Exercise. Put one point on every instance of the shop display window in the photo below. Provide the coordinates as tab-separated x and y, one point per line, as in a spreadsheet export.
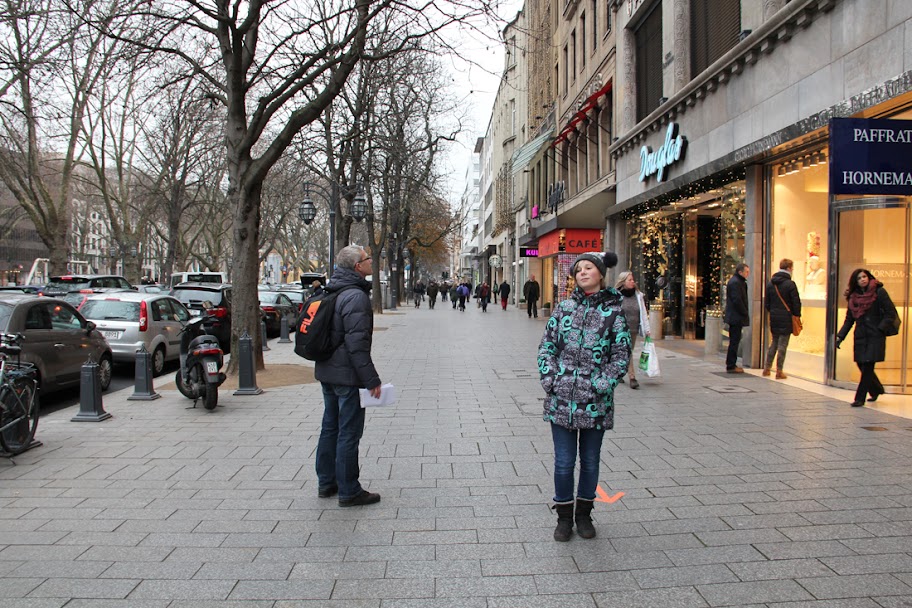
798	231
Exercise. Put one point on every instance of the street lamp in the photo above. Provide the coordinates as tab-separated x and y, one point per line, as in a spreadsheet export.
307	211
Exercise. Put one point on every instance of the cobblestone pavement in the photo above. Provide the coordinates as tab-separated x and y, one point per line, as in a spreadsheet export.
737	491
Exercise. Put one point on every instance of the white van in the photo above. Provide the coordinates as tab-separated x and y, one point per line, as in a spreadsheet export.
198	277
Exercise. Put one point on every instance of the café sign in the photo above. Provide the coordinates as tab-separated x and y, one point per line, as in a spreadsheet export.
671	151
870	156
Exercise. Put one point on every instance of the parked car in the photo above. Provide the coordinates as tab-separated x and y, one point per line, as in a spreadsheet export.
129	320
58	340
78	298
70	283
213	299
297	295
152	288
197	277
22	288
277	305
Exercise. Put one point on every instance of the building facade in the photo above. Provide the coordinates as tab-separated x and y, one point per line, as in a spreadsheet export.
725	151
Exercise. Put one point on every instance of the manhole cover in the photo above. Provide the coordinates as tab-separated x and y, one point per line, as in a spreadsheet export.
874	428
729	389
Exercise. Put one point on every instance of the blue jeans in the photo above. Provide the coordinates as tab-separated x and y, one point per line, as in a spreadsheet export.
590	448
337	450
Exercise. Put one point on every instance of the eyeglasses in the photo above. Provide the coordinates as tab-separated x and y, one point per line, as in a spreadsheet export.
364	259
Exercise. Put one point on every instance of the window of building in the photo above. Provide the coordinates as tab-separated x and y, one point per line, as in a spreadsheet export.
649	62
573	64
714	29
583	40
595	37
566	81
608	18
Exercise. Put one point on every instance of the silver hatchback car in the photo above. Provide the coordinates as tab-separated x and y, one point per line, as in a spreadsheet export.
129	320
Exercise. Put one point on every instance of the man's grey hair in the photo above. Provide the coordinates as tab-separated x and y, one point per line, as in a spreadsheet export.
349	256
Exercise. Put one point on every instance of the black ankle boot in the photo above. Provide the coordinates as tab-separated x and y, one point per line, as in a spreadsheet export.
564	522
583	518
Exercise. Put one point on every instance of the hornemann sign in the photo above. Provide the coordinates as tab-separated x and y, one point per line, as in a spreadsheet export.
870	156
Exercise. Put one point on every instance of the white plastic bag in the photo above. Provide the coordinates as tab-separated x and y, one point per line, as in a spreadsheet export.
651	360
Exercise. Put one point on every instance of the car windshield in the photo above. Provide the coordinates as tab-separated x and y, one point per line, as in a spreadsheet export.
110	309
6	310
268	298
198	296
67	283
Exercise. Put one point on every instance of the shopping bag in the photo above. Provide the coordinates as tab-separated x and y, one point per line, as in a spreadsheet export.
644	360
652	361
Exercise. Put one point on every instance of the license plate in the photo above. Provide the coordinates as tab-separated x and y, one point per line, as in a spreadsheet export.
211	367
194	313
111	334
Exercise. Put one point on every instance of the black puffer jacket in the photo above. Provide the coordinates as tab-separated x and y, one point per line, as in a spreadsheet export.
736	310
780	318
353	327
870	339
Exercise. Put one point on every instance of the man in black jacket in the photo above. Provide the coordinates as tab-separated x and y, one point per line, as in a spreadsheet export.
737	315
783	303
342	375
531	292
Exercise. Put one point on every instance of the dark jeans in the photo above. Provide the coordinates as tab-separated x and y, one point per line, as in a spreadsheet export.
337	449
590	448
532	308
455	302
778	345
462	300
734	339
869	383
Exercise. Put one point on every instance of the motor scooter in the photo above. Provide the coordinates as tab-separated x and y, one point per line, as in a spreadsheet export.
201	361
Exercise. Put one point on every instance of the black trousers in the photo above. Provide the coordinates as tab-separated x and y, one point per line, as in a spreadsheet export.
532	308
734	340
869	383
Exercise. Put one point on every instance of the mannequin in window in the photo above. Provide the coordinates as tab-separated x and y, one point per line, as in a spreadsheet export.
815	275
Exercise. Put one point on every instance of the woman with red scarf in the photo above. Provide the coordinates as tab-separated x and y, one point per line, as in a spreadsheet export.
872	312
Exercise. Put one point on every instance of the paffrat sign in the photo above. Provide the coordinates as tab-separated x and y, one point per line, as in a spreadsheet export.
870	156
670	152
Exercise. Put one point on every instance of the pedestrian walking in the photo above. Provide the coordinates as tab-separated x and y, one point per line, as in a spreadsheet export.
444	291
585	349
432	291
504	291
349	369
737	315
418	291
454	294
531	292
874	316
484	295
782	303
462	293
636	311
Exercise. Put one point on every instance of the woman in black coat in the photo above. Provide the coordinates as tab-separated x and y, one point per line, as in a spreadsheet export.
872	313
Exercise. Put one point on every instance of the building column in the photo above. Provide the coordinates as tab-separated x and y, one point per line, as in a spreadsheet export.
628	80
754	256
681	44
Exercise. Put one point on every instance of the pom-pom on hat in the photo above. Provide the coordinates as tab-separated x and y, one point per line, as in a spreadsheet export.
602	261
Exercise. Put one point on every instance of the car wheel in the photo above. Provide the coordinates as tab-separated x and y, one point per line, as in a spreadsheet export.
105	371
158	361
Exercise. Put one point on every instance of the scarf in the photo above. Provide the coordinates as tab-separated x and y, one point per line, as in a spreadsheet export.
628	292
861	301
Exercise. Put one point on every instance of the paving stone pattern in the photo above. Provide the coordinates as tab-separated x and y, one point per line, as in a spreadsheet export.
738	491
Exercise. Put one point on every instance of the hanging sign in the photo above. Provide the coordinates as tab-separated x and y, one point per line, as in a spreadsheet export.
570	240
528	252
670	152
870	156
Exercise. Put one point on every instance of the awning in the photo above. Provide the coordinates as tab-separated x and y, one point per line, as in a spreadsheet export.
522	156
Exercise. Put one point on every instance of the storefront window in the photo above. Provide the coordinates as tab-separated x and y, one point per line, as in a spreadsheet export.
798	231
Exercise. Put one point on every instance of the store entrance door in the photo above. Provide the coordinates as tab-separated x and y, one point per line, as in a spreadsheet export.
874	234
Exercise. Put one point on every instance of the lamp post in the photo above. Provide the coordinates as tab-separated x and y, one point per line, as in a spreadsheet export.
308	211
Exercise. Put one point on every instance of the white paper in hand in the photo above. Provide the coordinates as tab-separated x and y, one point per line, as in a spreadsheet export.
387	396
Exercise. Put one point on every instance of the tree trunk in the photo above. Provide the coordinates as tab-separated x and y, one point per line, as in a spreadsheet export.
58	244
245	305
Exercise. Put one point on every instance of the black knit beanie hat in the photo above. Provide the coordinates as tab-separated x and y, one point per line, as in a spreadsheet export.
602	261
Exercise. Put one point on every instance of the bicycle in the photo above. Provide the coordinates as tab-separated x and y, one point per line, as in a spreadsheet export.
19	407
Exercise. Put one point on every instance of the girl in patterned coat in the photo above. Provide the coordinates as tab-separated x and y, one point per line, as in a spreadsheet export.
585	350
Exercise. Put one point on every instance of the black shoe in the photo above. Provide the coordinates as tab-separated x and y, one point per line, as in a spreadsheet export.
328	491
364	498
873	398
857	403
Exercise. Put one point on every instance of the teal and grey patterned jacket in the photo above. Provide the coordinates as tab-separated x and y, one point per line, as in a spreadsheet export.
585	349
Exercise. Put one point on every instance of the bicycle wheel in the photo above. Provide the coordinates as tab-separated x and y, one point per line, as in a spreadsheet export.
18	415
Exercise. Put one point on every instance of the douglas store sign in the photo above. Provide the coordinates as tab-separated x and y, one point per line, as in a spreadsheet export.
870	156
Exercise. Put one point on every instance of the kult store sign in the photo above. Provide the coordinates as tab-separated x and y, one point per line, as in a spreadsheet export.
670	152
870	156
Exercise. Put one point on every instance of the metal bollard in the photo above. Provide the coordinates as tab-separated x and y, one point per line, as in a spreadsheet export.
90	407
142	387
246	367
283	331
264	343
